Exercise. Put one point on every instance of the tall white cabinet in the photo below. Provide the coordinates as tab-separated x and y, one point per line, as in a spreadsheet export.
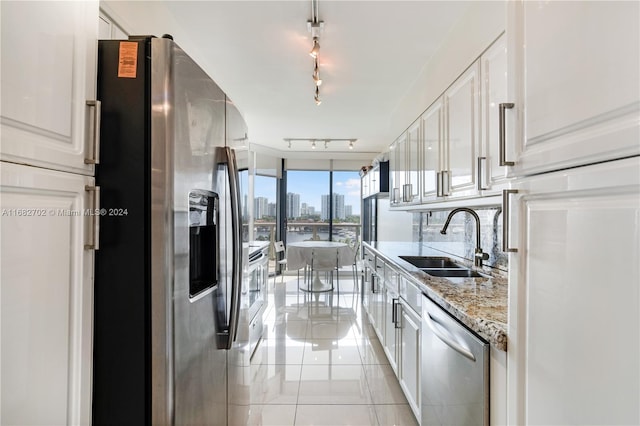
48	126
575	69
574	283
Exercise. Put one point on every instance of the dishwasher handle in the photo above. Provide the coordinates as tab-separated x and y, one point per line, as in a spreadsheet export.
431	323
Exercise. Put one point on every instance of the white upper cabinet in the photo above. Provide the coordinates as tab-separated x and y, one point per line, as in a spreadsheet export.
462	136
398	170
493	63
414	141
48	59
432	148
575	81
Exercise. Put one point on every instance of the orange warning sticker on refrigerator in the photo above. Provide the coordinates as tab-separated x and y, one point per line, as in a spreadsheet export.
128	59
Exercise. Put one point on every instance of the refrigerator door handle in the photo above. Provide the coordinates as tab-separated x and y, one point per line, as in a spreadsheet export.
236	226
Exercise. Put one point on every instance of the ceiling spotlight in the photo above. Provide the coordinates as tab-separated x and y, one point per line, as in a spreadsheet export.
316	74
313	144
315	49
350	144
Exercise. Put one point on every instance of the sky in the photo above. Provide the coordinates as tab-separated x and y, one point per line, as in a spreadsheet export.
311	185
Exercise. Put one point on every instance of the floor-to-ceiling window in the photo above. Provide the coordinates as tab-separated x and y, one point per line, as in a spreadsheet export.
346	206
264	207
322	205
306	212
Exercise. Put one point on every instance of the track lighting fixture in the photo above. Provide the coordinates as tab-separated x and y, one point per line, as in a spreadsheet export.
314	25
326	142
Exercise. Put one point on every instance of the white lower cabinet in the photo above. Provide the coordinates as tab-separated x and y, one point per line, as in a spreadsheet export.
397	325
47	296
391	346
409	348
574	296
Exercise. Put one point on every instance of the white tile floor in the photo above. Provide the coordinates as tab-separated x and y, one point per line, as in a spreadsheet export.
320	363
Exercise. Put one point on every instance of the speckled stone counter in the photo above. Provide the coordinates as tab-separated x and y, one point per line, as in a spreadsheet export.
479	303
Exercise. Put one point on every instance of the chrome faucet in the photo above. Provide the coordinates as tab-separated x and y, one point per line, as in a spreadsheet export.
479	255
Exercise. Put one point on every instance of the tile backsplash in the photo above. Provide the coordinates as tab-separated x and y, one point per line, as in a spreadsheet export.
460	239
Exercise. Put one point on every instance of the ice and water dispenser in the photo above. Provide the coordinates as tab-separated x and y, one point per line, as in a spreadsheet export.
203	241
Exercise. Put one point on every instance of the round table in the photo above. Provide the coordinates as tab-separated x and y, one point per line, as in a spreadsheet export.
300	254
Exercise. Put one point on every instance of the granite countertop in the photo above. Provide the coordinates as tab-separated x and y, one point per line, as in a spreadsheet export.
479	303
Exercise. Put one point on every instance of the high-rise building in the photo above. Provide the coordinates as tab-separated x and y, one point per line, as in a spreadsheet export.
348	211
260	207
271	210
293	205
338	207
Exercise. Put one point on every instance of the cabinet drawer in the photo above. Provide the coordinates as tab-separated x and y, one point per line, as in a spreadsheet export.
411	293
391	278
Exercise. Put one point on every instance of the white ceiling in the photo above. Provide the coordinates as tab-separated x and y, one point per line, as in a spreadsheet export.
257	51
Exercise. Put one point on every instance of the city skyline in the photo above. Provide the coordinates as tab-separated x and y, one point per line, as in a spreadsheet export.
263	207
311	186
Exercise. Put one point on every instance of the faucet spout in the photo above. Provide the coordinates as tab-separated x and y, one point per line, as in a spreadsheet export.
479	255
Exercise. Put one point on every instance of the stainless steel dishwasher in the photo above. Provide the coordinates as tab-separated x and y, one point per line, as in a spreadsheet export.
455	371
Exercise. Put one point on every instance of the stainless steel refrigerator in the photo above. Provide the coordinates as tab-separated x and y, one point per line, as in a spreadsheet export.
168	272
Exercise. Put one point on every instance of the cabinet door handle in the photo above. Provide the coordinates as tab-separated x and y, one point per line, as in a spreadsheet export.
446	183
95	221
97	113
407	190
480	174
395	304
502	126
431	323
506	211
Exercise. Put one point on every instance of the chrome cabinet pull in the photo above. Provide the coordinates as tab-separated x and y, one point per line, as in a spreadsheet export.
431	323
506	211
480	174
446	184
95	221
503	141
407	189
394	310
97	113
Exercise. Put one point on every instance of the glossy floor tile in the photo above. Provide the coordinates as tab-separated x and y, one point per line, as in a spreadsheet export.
320	363
332	415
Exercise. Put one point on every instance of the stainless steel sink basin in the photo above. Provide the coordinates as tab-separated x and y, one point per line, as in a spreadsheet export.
430	262
452	273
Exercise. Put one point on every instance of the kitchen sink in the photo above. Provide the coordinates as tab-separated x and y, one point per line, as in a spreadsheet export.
430	262
451	273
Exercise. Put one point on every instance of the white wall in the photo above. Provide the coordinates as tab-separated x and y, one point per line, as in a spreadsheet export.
476	30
